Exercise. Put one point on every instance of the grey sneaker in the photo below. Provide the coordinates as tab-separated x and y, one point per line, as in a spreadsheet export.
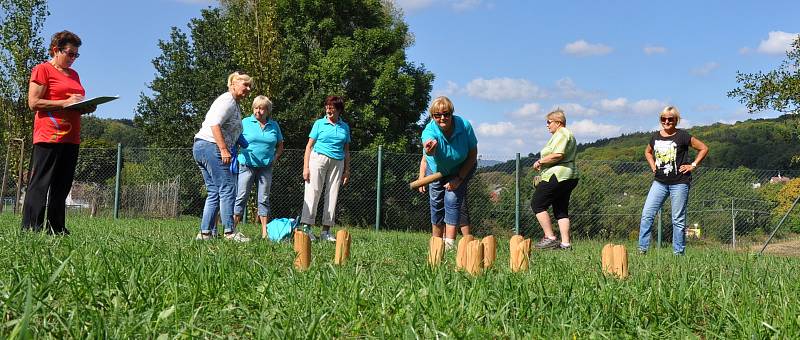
326	236
547	243
203	237
236	236
563	247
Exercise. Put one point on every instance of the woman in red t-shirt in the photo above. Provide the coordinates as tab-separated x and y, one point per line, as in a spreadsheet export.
56	134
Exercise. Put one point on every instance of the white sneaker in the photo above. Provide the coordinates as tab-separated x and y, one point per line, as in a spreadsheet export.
203	237
326	236
236	236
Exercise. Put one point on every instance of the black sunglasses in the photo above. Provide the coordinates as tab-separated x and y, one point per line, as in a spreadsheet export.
438	115
667	119
73	55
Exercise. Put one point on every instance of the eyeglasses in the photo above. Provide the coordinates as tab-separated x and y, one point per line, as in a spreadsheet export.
439	115
667	119
72	55
548	122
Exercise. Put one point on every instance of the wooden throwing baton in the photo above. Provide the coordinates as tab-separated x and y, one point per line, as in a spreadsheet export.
426	180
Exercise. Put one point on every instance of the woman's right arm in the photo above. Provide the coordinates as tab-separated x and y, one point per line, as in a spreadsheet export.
648	154
306	157
37	103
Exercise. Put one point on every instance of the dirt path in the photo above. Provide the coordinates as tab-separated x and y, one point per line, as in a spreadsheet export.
784	248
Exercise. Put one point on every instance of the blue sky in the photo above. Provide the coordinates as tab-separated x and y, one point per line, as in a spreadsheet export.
612	65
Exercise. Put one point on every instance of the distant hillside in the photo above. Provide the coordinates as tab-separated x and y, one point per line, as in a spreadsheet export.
754	143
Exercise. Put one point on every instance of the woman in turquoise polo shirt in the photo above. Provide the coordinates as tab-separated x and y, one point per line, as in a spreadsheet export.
326	160
451	148
559	176
265	146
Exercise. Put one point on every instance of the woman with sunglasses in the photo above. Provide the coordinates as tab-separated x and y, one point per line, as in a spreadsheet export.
559	176
668	156
451	148
53	86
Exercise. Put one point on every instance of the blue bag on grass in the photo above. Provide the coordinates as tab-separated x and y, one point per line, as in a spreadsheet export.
280	229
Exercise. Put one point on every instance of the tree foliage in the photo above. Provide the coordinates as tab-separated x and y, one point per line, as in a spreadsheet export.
299	52
778	89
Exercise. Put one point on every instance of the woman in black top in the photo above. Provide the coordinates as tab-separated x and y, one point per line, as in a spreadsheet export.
668	156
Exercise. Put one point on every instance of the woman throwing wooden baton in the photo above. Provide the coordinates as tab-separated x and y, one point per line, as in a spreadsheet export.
450	148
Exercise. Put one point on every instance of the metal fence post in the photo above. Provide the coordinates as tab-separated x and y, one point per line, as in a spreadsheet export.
516	199
117	180
659	226
733	225
19	173
379	188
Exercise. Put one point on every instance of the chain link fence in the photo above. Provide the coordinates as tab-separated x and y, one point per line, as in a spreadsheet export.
731	206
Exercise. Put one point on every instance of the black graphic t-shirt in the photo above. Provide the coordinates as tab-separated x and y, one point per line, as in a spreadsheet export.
670	153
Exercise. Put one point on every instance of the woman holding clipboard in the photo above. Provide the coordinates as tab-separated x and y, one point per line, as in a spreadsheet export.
54	85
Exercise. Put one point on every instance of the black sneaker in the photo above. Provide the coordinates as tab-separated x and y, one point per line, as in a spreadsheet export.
547	243
642	251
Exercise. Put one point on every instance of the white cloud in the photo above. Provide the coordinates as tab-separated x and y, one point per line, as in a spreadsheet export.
528	110
463	5
707	108
503	89
198	2
705	69
450	89
648	106
412	5
495	129
566	88
614	105
650	50
575	109
778	42
582	48
587	129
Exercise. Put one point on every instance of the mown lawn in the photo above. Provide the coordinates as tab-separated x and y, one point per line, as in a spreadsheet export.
149	278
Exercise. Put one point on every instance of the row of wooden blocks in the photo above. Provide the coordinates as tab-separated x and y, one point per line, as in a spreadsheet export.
472	255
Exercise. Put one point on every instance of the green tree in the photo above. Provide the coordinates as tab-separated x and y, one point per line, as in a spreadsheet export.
190	74
778	89
299	52
21	48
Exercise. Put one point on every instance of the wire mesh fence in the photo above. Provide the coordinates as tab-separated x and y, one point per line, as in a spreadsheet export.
731	206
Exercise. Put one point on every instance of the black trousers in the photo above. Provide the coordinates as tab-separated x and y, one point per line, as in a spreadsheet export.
51	180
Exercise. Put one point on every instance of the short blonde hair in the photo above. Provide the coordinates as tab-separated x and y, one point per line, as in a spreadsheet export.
442	104
238	76
674	111
262	102
557	115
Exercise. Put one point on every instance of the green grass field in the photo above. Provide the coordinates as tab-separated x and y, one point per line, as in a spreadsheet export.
149	278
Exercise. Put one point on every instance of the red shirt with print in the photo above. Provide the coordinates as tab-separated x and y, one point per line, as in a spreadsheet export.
61	126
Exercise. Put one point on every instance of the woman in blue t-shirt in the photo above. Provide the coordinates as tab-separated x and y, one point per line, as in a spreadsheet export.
668	156
451	148
264	147
326	160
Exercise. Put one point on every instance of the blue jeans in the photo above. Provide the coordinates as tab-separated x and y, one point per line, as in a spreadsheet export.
679	195
446	206
220	185
246	177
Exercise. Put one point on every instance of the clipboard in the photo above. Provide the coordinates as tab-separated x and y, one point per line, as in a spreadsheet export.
90	102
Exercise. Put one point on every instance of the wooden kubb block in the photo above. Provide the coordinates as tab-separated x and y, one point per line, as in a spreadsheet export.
614	260
462	250
302	246
342	247
474	257
489	251
436	251
519	250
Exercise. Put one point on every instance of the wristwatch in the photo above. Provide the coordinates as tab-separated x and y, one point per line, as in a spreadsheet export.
694	165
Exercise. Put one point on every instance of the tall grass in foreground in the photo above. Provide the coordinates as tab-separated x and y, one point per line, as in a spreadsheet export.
149	278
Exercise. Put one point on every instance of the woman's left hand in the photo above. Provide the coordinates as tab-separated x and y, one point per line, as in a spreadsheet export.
686	168
453	184
537	166
346	177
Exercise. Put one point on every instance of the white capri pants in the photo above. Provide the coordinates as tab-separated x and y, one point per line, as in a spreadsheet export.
323	170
